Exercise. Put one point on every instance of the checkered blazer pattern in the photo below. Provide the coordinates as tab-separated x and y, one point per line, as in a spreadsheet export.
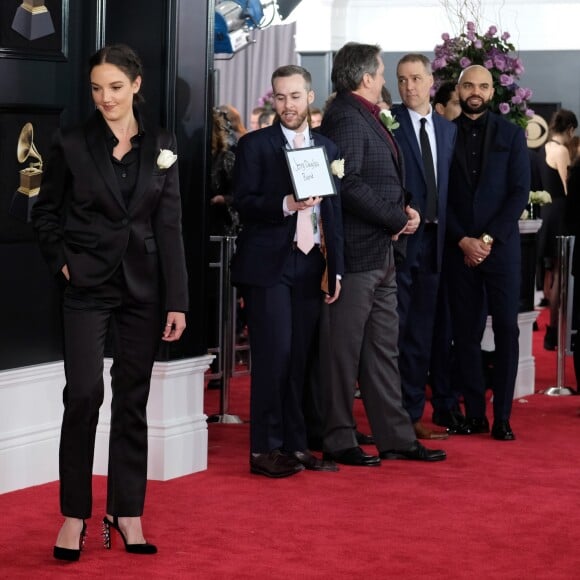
372	190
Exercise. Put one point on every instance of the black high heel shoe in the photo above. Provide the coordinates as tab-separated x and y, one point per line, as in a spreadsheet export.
70	554
145	548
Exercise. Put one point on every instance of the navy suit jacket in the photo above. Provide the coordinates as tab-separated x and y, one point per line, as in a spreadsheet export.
415	184
261	181
496	204
372	191
81	218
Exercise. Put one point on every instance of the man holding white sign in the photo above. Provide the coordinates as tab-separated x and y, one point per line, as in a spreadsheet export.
289	242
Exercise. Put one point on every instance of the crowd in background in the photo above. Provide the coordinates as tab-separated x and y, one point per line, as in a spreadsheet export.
428	292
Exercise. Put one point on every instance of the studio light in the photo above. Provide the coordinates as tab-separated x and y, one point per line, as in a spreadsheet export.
235	19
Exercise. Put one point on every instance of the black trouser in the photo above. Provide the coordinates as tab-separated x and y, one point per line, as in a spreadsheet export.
136	330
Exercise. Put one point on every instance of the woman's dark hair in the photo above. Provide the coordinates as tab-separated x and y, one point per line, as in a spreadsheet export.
124	58
562	120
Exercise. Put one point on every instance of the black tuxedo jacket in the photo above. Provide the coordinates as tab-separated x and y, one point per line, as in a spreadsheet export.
372	190
496	204
82	220
261	181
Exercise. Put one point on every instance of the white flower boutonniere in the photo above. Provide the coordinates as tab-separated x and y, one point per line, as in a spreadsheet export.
388	120
337	168
166	159
540	197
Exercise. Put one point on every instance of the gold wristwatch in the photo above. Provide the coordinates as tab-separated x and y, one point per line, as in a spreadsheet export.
486	239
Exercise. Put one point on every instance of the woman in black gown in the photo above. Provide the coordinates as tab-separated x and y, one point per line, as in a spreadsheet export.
554	163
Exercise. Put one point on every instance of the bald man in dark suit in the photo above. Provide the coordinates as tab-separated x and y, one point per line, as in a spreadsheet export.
489	185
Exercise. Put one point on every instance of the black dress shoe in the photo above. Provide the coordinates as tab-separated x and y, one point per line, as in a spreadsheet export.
416	452
451	419
502	431
363	439
473	426
310	461
274	464
353	456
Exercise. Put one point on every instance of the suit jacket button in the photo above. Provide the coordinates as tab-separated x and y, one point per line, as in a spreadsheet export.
125	221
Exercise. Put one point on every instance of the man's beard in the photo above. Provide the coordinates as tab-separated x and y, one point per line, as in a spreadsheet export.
297	122
469	110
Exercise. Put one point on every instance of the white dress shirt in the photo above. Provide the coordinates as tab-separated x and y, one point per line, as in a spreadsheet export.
429	127
289	135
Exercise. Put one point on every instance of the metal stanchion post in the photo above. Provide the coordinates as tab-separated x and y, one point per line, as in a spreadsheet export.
228	331
564	243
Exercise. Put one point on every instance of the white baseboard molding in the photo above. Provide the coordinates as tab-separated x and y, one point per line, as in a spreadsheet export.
526	377
31	413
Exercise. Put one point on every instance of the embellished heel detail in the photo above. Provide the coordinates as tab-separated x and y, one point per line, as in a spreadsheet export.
145	548
106	534
70	554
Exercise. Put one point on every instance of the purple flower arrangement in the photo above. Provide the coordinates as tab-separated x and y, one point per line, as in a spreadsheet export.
267	100
494	53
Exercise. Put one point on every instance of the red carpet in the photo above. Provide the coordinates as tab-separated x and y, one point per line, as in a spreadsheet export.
492	510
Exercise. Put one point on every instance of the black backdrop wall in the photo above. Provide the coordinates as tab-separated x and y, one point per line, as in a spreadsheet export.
44	81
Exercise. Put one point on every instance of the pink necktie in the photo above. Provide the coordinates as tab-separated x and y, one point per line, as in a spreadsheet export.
304	228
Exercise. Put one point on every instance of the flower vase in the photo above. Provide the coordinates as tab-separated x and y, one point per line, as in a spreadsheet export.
531	212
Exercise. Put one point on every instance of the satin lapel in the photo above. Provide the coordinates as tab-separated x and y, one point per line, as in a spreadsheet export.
279	144
148	152
442	142
277	138
408	132
98	149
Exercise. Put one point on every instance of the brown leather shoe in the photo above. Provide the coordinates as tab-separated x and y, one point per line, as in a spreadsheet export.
423	432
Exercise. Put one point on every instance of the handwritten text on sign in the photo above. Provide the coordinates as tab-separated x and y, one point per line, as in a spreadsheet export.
310	172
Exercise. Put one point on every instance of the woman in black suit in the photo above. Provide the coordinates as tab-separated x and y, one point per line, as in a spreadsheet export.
108	219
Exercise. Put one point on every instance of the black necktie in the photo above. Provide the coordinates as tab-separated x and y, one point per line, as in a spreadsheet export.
429	169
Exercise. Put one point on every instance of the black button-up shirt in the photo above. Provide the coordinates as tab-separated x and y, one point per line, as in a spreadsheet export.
473	138
127	168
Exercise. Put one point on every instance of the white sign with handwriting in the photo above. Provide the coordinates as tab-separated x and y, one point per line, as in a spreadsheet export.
310	172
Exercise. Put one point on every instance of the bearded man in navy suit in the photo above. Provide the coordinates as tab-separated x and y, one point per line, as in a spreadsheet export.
280	278
489	185
427	173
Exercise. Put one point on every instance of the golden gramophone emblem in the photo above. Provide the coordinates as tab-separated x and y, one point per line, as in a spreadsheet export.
31	176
